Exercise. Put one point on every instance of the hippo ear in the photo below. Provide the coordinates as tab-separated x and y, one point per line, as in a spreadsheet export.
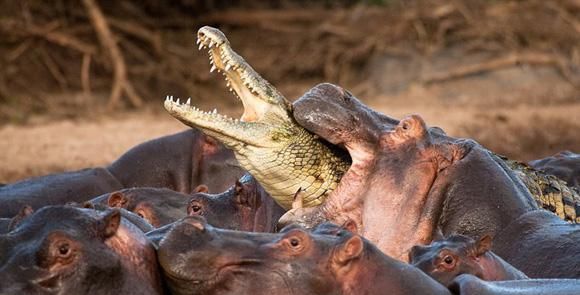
88	205
109	223
438	235
117	199
24	212
202	188
350	250
245	195
350	225
483	245
239	187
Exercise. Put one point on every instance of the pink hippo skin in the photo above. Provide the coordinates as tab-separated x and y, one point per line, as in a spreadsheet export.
446	259
408	181
199	259
69	250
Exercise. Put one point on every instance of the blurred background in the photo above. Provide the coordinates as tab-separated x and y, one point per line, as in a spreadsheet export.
81	81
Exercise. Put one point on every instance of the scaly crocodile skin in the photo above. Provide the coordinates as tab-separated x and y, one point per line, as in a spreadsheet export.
284	157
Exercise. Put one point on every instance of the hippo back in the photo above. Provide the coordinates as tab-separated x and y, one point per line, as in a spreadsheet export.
54	189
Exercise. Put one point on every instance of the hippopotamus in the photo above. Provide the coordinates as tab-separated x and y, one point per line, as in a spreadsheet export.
56	189
245	206
69	250
179	162
564	165
158	206
467	284
446	259
199	259
408	181
129	216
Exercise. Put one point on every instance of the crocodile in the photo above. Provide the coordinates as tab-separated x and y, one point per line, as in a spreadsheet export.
267	141
285	158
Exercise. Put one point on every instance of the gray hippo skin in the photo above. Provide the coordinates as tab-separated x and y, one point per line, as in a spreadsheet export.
445	259
157	206
245	206
199	259
564	165
179	162
408	181
56	189
68	250
467	284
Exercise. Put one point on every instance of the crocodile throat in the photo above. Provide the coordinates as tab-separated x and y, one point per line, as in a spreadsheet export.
280	154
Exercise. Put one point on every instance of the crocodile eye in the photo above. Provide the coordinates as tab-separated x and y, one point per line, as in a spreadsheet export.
195	208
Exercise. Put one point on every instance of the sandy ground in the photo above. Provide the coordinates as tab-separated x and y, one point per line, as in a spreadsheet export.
522	132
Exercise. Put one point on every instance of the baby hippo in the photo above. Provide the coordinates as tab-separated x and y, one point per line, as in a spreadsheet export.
446	259
244	206
68	250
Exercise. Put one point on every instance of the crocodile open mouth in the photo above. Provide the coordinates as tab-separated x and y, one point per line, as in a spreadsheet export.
256	94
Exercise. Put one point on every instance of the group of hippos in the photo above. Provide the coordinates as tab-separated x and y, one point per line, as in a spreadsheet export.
415	212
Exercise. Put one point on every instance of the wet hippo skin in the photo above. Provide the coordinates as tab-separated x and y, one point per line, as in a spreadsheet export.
470	285
199	259
158	206
564	165
541	245
180	162
56	189
244	206
68	250
407	181
445	259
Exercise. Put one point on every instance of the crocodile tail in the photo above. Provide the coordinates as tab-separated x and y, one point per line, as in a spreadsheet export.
550	192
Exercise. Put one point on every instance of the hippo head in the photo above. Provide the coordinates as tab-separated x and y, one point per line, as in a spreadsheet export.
391	160
157	206
43	255
245	206
199	259
446	259
67	250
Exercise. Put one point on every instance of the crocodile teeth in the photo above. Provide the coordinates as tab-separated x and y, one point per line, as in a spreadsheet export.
211	44
228	67
215	111
188	101
213	68
198	41
178	101
200	46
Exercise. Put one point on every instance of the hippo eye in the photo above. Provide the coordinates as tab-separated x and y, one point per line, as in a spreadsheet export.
448	259
140	215
64	249
195	208
294	242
